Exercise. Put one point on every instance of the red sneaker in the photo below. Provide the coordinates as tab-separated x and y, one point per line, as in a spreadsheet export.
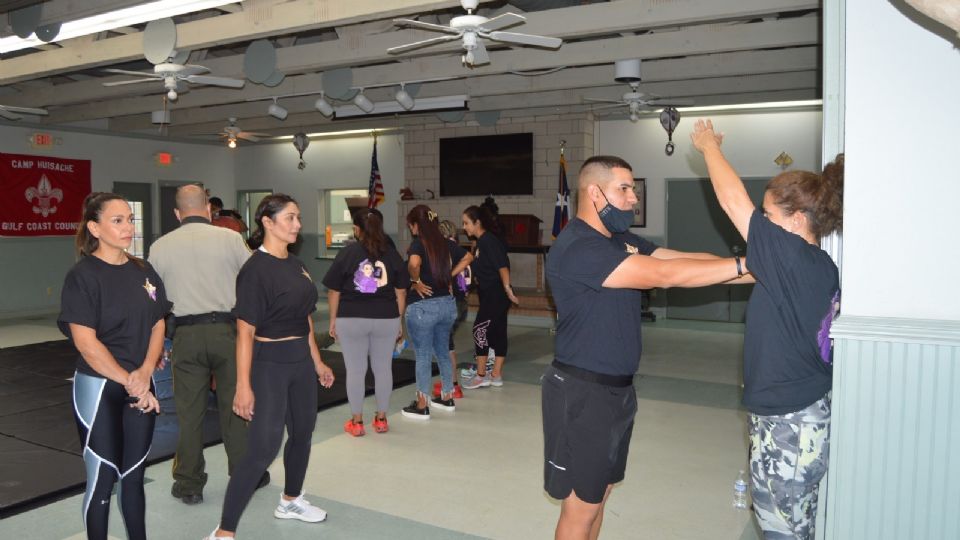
457	391
355	428
380	425
436	389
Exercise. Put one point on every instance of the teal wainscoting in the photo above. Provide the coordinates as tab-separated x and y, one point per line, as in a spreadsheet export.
895	450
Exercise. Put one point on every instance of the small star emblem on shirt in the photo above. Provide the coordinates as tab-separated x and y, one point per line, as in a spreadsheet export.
305	273
631	249
151	290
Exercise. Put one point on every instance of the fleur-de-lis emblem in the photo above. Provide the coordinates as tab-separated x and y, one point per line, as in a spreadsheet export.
305	274
631	249
43	193
151	290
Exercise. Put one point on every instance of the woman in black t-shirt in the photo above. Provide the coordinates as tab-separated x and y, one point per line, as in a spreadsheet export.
278	366
491	273
112	308
431	309
367	291
787	369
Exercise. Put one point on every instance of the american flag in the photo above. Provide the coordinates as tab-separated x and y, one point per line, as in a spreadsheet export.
375	189
561	212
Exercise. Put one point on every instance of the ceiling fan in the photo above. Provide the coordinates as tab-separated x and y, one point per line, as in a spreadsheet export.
16	113
628	71
232	132
470	29
159	42
172	74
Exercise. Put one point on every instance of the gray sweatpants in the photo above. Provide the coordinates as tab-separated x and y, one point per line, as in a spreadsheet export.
362	338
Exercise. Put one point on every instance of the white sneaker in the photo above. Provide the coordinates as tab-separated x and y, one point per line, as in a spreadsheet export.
213	536
299	508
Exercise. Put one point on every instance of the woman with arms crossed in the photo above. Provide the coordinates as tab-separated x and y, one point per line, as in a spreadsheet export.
278	364
112	309
787	370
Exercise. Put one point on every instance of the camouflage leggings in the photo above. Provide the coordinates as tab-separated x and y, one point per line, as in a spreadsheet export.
788	458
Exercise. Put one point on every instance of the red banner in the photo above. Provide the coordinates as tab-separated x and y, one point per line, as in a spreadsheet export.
41	196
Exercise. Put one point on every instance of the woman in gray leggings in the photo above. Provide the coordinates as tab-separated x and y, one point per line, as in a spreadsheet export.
367	291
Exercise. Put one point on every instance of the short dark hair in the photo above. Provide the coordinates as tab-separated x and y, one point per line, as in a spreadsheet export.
607	162
216	201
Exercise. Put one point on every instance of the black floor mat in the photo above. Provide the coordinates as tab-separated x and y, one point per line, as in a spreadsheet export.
39	446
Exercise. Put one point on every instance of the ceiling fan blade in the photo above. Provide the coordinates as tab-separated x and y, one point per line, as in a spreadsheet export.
502	21
135	81
602	107
255	134
426	26
9	115
215	81
480	56
23	110
192	69
526	39
248	136
602	100
134	73
667	102
418	44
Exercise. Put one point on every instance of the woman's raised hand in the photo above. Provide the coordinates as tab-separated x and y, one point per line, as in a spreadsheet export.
704	137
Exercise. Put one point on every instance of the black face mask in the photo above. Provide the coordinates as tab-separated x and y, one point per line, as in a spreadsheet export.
614	219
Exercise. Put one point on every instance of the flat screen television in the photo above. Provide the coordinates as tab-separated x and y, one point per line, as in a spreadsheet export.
487	164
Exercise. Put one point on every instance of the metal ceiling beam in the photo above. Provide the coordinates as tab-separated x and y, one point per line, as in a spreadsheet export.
284	18
692	41
356	50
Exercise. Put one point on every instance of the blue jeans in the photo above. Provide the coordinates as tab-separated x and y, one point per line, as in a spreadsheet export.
428	323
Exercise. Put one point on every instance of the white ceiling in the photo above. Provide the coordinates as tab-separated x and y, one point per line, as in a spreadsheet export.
713	51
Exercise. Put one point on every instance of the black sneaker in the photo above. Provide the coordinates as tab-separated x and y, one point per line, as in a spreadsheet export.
412	411
443	404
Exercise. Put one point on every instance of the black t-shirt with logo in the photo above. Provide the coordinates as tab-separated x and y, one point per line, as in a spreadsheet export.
783	370
275	295
367	285
122	303
426	273
490	256
598	328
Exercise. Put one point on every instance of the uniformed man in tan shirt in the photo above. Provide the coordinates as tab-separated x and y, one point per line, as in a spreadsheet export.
198	263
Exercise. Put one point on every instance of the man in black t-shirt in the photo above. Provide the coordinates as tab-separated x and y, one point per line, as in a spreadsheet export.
596	270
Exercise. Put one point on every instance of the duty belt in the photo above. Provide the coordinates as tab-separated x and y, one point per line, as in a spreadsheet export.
206	318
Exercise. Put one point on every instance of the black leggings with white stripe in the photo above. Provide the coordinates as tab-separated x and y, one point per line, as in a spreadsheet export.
116	440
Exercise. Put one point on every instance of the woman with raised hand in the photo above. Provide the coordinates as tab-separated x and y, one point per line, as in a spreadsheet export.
491	272
112	308
367	292
278	366
787	369
431	309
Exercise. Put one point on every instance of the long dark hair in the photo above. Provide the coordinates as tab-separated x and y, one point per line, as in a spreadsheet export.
269	207
372	237
438	251
820	197
86	243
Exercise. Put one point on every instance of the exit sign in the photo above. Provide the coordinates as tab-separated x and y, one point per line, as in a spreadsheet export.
41	140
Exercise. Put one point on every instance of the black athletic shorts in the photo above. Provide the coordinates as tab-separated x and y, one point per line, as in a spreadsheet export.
586	434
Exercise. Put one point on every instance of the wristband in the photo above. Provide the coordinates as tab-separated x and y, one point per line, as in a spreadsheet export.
739	266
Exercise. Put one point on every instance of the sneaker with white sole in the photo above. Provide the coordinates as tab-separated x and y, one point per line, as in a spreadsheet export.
477	381
213	536
496	381
299	508
443	404
416	413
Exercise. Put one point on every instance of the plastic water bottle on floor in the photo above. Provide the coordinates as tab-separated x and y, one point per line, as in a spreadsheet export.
740	491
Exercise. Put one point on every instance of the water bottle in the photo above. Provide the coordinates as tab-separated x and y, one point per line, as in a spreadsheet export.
740	491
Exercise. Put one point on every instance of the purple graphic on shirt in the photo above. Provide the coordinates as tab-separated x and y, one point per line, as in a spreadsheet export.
823	336
369	276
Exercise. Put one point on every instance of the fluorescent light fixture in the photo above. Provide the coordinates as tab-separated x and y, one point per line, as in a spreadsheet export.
363	103
422	104
339	133
768	105
404	99
277	111
129	16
